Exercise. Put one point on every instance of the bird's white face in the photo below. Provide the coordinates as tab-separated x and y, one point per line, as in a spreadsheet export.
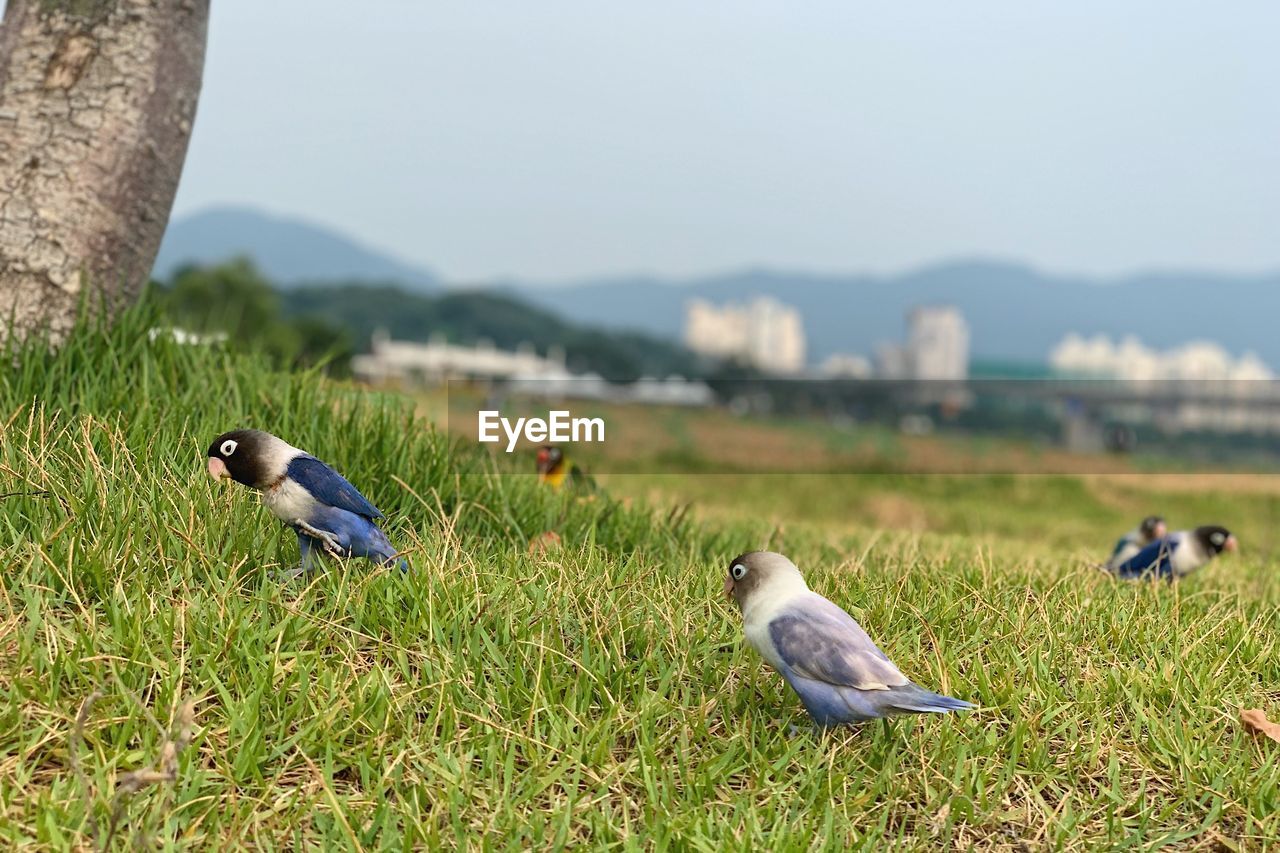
736	573
761	575
1225	541
218	468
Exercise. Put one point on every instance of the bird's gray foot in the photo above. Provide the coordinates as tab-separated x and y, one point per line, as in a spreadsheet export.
326	539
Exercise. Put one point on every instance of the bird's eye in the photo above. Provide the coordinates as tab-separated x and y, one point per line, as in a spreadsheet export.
738	571
228	447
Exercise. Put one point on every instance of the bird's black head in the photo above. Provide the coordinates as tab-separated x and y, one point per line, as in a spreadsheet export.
1215	539
1152	528
246	456
549	459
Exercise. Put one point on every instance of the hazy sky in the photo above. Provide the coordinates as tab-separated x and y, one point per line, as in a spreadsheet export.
555	140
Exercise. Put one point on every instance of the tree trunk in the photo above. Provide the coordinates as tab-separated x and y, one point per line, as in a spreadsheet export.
97	98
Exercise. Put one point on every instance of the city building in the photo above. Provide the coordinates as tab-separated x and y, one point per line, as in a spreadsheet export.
892	362
846	366
764	333
1198	386
1132	360
937	347
522	372
439	361
937	343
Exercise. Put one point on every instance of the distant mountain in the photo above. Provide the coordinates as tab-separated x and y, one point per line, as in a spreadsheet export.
1014	312
288	251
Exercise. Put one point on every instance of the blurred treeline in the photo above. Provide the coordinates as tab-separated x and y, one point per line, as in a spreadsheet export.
235	299
326	324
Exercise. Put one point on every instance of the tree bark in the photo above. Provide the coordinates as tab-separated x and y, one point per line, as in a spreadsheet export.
97	99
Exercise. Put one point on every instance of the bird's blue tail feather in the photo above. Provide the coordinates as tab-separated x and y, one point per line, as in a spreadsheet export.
912	698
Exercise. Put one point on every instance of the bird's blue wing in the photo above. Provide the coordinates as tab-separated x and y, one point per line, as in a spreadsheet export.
819	641
1155	559
329	487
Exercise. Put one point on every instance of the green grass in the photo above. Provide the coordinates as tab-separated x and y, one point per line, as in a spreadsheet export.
1077	519
600	694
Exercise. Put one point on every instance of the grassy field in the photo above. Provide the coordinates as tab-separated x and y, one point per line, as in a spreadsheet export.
711	440
599	693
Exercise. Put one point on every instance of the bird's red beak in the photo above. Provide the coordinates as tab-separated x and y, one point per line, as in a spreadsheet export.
217	470
1161	530
728	586
1231	544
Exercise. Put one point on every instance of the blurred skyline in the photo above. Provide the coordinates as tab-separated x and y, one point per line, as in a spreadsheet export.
563	140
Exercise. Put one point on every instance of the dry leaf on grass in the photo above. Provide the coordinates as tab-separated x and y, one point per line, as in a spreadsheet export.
544	542
1256	722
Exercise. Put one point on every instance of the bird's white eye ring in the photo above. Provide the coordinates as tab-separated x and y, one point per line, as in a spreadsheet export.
738	571
228	447
1218	538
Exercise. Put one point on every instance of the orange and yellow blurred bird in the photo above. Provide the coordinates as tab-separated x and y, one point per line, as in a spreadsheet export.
554	468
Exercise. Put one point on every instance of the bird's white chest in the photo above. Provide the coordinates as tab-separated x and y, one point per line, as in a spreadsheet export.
1185	559
757	633
757	618
289	502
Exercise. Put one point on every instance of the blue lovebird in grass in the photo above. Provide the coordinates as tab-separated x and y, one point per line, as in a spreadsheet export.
826	657
1149	530
1178	554
325	510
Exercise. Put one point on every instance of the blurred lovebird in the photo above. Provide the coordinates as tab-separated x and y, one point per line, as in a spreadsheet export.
1151	529
554	468
818	649
1177	554
324	509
